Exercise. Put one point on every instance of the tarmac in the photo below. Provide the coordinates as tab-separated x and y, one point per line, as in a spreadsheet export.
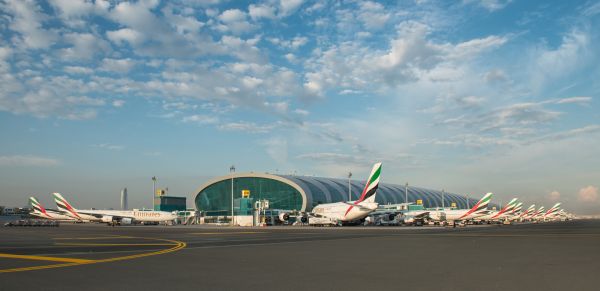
547	256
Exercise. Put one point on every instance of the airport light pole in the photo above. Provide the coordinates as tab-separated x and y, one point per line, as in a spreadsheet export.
232	171
406	194
349	189
153	192
443	206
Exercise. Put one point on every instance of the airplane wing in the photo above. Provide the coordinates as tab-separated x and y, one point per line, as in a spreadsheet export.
421	215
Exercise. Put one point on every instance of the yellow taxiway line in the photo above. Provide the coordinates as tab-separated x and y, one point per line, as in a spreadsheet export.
111	245
226	233
44	258
177	245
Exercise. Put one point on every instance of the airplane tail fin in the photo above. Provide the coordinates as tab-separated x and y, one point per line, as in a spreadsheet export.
554	208
480	205
368	193
540	211
64	206
37	206
529	211
517	208
511	204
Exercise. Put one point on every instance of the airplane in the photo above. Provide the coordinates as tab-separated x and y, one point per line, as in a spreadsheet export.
493	215
552	210
341	212
506	210
515	213
527	212
112	216
460	215
51	214
537	215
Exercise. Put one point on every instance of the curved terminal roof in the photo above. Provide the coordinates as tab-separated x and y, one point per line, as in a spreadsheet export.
317	190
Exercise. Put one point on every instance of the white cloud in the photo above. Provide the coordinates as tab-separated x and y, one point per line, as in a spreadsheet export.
490	5
125	35
588	194
72	12
121	66
302	112
76	70
178	106
409	58
261	11
234	21
373	15
182	24
84	100
592	9
200	119
277	149
586	131
27	20
287	7
551	65
107	146
249	127
28	160
576	100
118	103
341	160
85	46
554	196
232	15
5	52
495	76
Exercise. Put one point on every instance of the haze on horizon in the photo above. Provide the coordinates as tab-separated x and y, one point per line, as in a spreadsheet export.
468	96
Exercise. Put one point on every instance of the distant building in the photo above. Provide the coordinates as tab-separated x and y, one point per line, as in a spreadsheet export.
170	203
124	199
302	193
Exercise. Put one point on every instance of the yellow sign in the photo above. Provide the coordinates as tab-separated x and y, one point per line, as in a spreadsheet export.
160	192
419	202
245	193
453	205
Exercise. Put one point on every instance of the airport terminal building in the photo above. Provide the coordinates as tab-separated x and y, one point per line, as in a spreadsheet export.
302	193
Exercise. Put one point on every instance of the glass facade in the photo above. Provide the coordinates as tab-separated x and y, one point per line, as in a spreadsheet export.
170	203
215	199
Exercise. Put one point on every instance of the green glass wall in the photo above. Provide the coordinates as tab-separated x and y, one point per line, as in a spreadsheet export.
216	198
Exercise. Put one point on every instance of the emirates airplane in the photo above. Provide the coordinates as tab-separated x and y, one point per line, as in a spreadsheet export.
339	212
460	215
112	216
40	211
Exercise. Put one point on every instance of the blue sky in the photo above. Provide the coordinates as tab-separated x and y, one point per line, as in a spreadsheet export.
468	96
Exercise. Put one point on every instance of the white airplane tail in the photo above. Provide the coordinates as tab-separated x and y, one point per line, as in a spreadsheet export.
64	206
38	208
370	190
481	205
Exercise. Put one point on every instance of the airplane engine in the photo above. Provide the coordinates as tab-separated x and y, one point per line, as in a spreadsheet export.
107	218
127	220
303	219
284	216
390	216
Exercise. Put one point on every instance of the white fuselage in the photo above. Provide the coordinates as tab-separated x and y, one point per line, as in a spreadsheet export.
51	215
342	211
453	215
142	216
